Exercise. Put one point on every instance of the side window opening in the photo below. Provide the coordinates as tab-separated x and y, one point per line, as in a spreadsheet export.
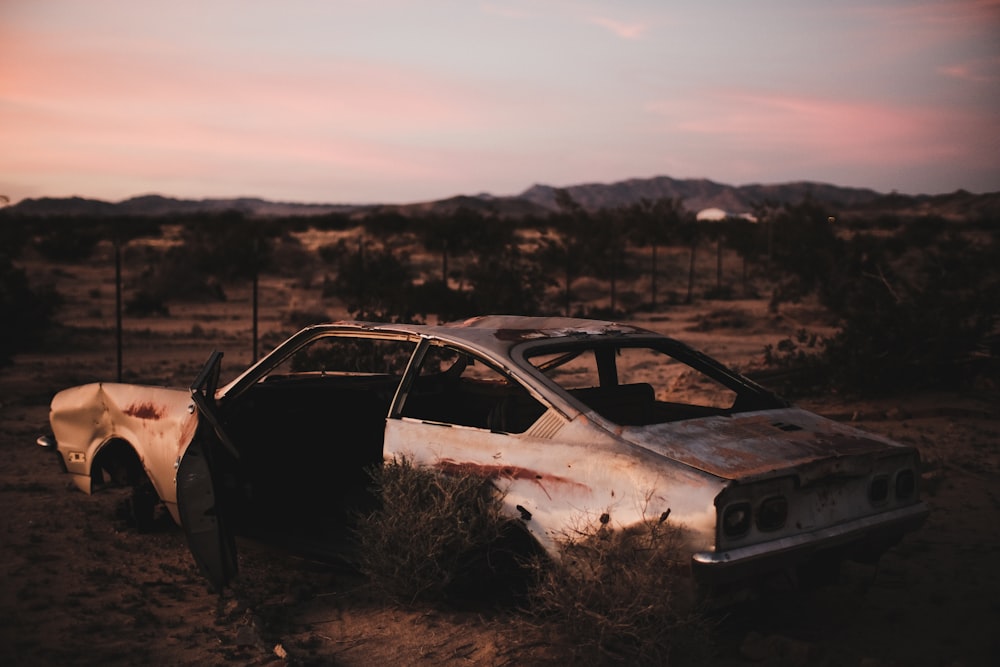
343	355
455	387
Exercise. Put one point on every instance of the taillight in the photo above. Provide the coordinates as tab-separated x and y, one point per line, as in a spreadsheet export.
906	484
736	519
772	513
878	490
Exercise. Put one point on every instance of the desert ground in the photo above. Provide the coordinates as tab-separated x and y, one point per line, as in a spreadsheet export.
78	586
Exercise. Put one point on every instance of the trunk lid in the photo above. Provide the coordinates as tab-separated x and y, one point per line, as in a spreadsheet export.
758	445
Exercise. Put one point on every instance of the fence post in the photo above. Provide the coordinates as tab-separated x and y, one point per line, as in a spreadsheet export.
118	299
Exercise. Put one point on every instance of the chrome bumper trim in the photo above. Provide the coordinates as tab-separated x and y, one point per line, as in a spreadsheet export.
774	552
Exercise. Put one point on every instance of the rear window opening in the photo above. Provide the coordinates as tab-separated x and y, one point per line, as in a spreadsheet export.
641	384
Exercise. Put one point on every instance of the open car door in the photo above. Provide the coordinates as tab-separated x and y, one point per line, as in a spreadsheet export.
198	503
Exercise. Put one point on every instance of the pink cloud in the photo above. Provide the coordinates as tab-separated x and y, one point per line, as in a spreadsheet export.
83	110
816	129
505	11
977	71
630	31
166	82
948	18
907	28
567	11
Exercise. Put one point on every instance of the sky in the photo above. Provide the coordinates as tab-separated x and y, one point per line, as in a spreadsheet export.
398	101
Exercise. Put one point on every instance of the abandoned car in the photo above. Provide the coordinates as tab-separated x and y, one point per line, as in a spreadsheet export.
574	420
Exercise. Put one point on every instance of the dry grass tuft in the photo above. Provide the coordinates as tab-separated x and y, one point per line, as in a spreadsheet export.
615	595
623	596
431	537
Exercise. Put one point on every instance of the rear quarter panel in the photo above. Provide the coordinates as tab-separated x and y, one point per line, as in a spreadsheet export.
567	478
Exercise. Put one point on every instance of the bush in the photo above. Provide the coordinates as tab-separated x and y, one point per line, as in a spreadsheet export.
722	318
375	284
722	293
25	312
69	243
506	281
14	232
624	595
909	317
145	303
226	246
797	365
433	535
300	318
169	276
434	296
215	251
290	259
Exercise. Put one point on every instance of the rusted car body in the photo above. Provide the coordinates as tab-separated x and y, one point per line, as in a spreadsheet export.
575	420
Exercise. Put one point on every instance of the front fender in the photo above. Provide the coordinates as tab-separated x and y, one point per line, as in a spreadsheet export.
158	422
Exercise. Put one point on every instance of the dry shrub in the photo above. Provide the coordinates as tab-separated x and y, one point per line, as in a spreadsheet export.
25	310
433	535
624	596
300	318
722	318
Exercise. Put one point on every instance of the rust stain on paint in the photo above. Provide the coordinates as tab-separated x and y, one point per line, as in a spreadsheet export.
500	471
146	410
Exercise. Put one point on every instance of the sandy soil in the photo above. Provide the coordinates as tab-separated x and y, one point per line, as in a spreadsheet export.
77	586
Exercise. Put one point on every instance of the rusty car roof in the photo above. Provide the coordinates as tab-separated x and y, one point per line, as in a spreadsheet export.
500	332
491	335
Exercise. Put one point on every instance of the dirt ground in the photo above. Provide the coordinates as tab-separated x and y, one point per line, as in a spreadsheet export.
77	586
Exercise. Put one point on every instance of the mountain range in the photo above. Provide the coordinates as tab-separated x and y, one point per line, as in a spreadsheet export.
695	194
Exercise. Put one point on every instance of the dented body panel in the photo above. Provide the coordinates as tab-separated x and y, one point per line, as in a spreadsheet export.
575	421
158	422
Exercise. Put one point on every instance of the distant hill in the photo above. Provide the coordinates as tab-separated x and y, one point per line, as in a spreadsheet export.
156	205
696	194
699	194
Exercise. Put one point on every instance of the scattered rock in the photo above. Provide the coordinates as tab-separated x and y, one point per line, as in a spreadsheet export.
246	635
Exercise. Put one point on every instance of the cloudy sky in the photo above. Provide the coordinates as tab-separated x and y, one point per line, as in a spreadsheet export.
355	101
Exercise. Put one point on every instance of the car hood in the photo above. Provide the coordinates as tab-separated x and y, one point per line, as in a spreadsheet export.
763	444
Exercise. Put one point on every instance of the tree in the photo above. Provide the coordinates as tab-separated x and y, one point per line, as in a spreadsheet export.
506	282
465	231
229	245
655	223
804	246
607	235
374	282
688	232
744	236
565	244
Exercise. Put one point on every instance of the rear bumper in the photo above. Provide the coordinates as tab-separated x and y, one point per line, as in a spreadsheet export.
866	537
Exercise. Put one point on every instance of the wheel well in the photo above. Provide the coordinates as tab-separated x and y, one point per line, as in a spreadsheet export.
115	465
